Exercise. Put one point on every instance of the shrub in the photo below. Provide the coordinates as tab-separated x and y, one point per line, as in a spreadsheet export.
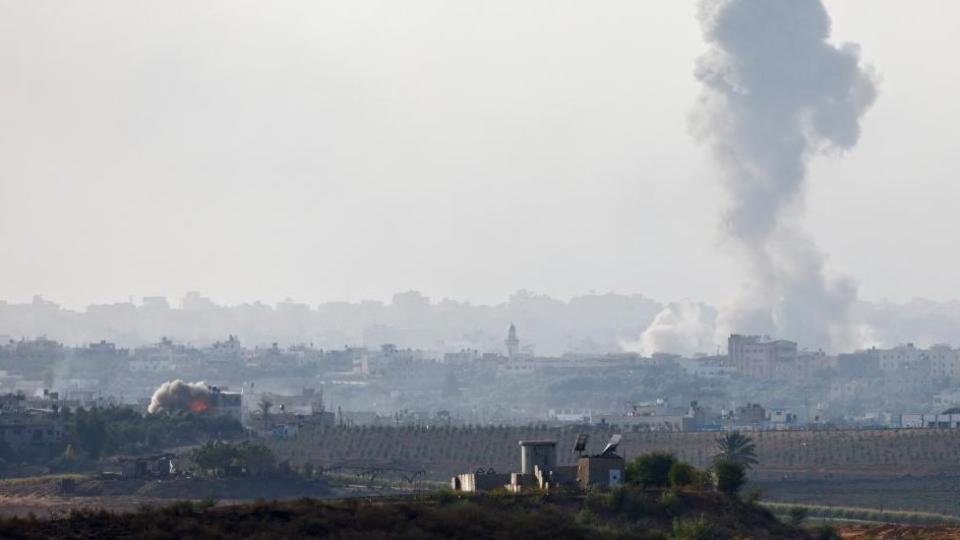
671	504
697	529
730	476
797	515
753	495
826	533
651	469
586	518
632	503
596	502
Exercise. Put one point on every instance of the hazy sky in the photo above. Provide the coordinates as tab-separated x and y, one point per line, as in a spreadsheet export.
326	150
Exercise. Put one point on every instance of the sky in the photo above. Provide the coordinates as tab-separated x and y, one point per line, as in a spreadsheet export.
346	150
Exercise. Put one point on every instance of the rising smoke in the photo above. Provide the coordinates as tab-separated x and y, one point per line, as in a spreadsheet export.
680	328
180	397
776	92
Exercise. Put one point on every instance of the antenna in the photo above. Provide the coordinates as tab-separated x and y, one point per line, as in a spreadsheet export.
611	448
581	444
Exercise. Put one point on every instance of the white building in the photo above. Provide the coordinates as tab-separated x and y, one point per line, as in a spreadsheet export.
897	358
930	420
944	362
706	368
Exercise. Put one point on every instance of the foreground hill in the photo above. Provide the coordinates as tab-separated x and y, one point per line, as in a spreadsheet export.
629	513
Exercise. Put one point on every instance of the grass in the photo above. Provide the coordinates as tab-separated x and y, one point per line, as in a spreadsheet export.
39	480
856	514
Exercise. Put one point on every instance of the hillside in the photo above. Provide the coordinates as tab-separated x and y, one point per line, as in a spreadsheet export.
631	513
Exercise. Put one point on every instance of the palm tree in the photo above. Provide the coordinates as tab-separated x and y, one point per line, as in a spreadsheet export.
737	448
264	406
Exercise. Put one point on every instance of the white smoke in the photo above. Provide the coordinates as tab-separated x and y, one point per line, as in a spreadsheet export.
776	92
179	396
681	328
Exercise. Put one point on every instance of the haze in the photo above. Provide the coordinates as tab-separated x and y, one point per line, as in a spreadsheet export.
339	151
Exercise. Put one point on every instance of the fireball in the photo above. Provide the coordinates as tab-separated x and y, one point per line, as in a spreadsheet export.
199	406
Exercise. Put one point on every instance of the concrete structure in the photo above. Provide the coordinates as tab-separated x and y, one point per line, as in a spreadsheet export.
708	368
750	414
761	357
480	481
897	358
944	362
512	343
603	471
539	470
943	421
33	433
541	454
223	403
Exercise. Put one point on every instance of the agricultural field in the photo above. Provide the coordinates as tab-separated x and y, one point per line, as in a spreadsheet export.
937	494
783	455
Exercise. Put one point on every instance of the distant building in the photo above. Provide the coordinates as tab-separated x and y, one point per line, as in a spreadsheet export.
750	414
941	421
512	343
708	368
944	362
896	359
224	403
762	358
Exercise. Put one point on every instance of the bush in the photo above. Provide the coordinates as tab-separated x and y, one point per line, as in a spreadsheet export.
753	495
697	529
632	503
651	469
730	476
826	533
797	515
671	504
681	474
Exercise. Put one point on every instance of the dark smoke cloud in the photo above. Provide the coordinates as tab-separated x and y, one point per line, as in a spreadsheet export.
179	396
776	92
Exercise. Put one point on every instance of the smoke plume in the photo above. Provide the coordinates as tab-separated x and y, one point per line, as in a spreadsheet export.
178	396
680	328
776	92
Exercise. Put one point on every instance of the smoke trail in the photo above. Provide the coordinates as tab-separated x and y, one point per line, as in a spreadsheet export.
777	92
178	396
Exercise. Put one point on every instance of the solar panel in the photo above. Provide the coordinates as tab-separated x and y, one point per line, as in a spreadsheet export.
581	446
612	445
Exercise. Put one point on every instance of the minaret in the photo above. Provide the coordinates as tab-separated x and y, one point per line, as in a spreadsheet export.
512	343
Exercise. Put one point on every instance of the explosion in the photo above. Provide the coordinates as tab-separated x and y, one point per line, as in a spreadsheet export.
179	396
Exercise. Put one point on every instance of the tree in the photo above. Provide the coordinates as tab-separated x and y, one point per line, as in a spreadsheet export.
264	406
737	448
214	457
681	474
256	459
651	469
730	476
91	433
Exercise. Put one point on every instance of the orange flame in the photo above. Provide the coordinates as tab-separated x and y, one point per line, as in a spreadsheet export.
199	406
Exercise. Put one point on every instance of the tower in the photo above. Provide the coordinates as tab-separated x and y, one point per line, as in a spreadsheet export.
512	343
